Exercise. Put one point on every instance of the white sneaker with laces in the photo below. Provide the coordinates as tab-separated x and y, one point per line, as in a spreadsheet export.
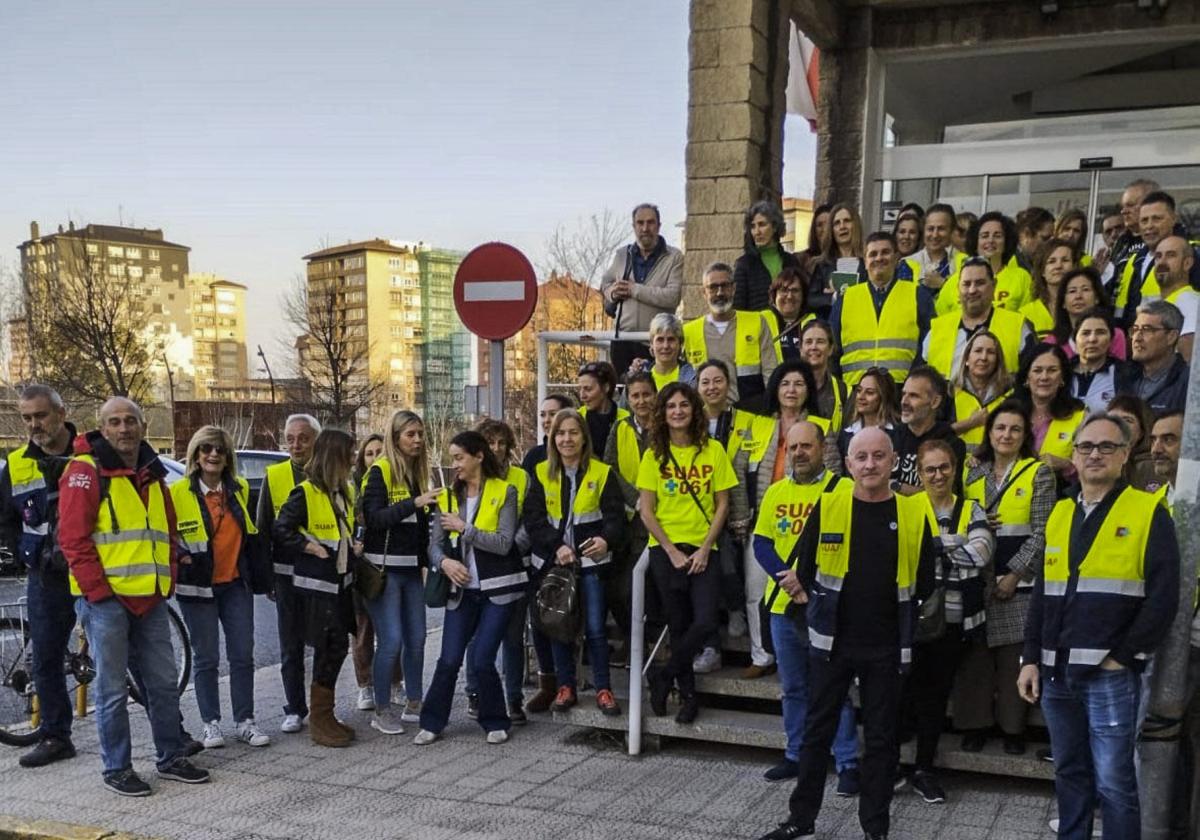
292	723
366	698
412	711
737	624
497	736
425	737
249	733
398	697
707	661
212	738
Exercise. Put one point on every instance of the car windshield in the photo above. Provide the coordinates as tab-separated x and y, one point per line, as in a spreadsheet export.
252	465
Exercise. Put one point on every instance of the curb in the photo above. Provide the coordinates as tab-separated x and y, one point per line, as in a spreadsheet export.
14	828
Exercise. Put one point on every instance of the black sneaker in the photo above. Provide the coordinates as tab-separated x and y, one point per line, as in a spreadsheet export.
127	783
660	688
791	831
473	706
689	707
975	741
182	770
848	784
1044	754
49	750
927	787
1014	745
517	714
782	771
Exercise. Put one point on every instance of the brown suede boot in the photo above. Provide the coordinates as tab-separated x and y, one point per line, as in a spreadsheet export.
547	688
322	725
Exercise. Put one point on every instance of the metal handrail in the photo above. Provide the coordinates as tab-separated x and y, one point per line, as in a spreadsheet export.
637	650
600	338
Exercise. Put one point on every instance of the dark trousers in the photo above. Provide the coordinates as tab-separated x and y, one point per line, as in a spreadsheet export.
290	620
691	606
927	690
51	621
880	682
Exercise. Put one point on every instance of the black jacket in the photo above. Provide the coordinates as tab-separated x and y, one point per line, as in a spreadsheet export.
754	280
385	523
1168	395
545	539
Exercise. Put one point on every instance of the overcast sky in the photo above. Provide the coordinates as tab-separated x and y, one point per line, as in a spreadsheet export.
253	132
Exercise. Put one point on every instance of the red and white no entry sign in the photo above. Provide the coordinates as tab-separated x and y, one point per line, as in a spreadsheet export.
495	291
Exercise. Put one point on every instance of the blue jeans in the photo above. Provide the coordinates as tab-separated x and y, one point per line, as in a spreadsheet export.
591	589
1093	728
791	655
116	636
512	657
51	621
485	621
231	610
398	616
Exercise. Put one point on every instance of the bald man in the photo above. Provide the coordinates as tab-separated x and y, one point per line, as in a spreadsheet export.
117	532
866	559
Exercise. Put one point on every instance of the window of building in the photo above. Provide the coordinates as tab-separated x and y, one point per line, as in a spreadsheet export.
352	262
93	249
135	271
133	253
152	254
394	262
116	270
116	251
155	272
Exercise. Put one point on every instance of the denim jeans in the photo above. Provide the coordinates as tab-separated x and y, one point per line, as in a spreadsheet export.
486	622
51	622
512	656
116	636
232	608
791	652
290	620
398	615
1093	728
591	588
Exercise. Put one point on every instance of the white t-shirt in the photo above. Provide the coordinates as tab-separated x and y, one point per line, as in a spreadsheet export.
720	326
469	553
1188	301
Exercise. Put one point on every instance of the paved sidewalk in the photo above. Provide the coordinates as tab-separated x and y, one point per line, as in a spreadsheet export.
548	782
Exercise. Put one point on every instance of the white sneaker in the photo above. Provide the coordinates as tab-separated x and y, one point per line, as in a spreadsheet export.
497	736
387	721
212	737
1054	825
412	711
366	698
707	661
292	723
425	737
249	733
398	697
737	625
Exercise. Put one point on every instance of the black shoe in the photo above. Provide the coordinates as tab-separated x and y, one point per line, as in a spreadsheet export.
848	784
927	787
191	746
1044	754
660	687
49	750
127	783
517	714
782	771
689	707
473	706
182	770
900	780
1014	744
870	836
791	831
974	741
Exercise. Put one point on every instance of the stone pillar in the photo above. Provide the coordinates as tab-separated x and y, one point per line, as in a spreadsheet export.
737	79
841	112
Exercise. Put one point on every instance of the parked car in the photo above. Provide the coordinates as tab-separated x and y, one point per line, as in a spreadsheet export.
252	466
175	469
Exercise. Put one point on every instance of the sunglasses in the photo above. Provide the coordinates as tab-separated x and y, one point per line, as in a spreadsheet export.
210	448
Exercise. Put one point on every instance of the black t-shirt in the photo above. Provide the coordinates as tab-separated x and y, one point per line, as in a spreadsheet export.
907	444
867	606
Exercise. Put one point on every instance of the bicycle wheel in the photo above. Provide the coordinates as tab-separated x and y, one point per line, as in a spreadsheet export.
181	645
16	683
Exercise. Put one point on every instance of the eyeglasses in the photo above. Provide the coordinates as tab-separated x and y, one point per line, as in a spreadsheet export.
1137	329
937	469
210	448
791	291
1107	447
719	287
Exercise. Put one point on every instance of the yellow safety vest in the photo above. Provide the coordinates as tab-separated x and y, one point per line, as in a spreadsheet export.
747	353
890	341
966	404
1039	316
280	482
587	520
1014	289
132	538
316	574
499	574
194	536
1013	510
943	335
379	550
1110	583
1060	437
971	589
781	517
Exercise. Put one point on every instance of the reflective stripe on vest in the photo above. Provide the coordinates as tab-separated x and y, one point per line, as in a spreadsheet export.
747	343
943	337
970	621
317	574
132	537
498	574
889	341
787	505
1110	580
587	519
397	491
28	485
280	482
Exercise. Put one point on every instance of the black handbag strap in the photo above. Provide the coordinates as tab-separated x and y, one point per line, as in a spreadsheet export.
991	507
691	495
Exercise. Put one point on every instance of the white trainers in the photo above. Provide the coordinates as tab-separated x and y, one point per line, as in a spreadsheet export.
292	723
707	661
412	710
425	737
249	733
398	697
737	625
366	698
497	736
387	721
212	738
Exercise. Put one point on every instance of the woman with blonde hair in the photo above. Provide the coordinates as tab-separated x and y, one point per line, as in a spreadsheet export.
981	383
396	496
218	579
314	525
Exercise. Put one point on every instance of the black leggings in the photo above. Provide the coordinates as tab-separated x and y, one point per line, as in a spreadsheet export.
691	606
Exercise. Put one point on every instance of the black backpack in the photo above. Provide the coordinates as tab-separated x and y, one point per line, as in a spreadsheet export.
557	601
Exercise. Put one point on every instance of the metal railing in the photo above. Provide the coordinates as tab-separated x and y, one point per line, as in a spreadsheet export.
600	339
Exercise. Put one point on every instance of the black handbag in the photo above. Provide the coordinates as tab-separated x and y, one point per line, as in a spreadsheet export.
557	606
369	579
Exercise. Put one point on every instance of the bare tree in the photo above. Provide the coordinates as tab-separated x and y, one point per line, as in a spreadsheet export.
331	352
443	418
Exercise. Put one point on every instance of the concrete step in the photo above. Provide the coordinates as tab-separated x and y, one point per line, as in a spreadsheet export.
724	682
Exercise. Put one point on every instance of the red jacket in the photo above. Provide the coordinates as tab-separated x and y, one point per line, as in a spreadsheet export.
79	505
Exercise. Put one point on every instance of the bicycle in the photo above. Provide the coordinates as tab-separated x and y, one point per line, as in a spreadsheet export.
18	694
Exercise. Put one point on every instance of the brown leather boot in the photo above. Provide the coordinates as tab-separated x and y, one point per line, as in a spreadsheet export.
322	725
547	688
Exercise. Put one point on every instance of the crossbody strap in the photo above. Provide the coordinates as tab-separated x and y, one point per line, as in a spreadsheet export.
692	496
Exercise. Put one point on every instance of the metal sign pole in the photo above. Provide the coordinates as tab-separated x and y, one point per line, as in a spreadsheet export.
496	380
